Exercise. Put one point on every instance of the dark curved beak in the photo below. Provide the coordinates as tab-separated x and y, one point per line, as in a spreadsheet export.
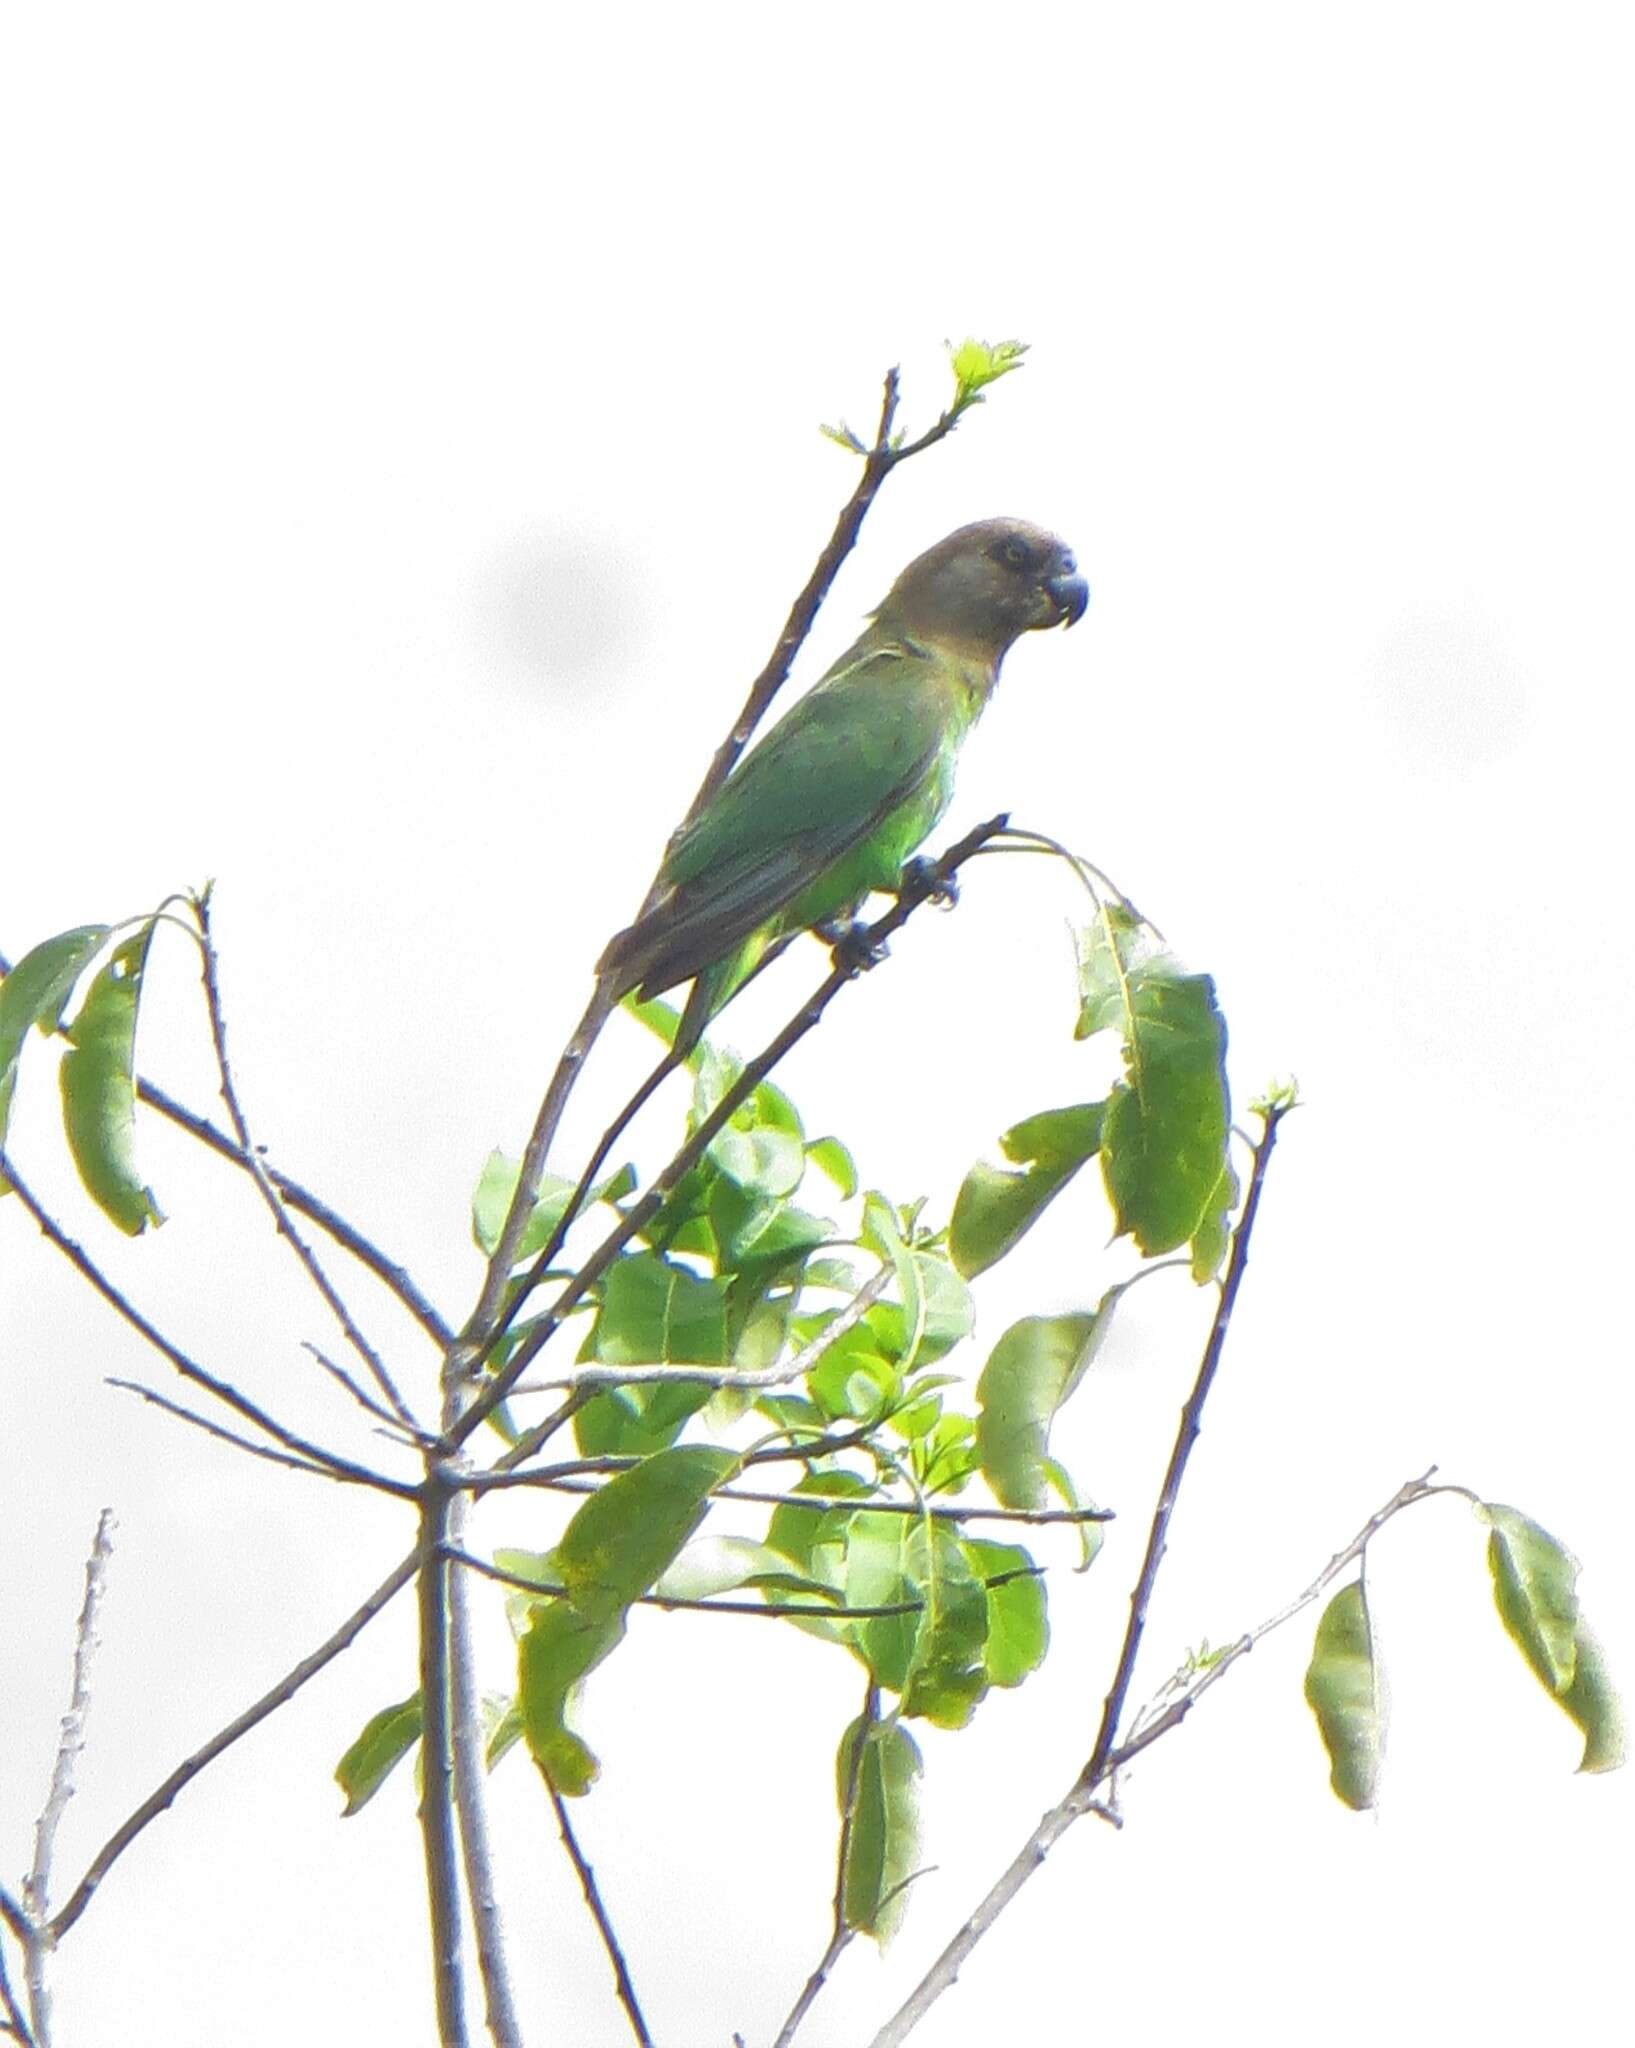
1071	595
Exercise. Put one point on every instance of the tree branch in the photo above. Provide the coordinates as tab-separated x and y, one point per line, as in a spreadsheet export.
307	1258
437	1768
241	1404
604	1926
840	1934
286	1688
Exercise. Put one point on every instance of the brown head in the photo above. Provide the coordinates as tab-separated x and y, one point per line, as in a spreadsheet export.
985	586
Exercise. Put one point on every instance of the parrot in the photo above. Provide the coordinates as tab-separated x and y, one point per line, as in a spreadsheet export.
832	801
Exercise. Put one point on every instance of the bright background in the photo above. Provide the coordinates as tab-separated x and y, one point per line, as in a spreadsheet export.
411	451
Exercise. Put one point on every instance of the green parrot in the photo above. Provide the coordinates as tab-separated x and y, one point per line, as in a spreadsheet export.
833	799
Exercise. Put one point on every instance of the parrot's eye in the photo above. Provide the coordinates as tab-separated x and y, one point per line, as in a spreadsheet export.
1015	554
1068	566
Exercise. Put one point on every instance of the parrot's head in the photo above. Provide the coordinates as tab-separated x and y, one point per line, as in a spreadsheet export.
985	586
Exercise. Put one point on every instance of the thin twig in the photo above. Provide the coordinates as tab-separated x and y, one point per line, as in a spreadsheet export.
930	882
244	1443
392	1276
1082	1796
15	2023
241	1404
840	1933
437	1768
393	1425
305	1255
286	1689
598	1912
781	1610
554	1481
37	1885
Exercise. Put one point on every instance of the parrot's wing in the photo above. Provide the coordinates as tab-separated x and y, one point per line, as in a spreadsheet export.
838	763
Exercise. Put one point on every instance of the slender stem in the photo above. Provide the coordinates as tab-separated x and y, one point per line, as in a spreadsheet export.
556	1482
241	1404
1187	1435
15	2022
604	1926
286	1689
1082	1795
305	1255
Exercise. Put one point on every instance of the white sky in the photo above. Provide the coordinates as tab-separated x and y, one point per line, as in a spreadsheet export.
410	455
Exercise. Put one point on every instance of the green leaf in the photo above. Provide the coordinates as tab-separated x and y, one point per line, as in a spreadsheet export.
724	1564
1595	1707
1342	1690
497	1185
879	1763
36	991
1018	1625
1036	1365
799	1533
977	364
995	1208
1164	1138
931	1656
831	1157
633	1422
559	1648
763	1147
758	1230
654	1312
98	1078
624	1536
1535	1588
386	1740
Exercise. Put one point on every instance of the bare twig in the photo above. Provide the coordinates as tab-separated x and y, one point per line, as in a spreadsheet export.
604	1926
840	1934
37	1885
392	1425
392	1276
243	1443
555	1481
241	1404
15	2022
286	1689
929	882
437	1766
305	1255
781	1610
1081	1798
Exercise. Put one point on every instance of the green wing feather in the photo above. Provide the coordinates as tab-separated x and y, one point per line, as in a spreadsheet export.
826	807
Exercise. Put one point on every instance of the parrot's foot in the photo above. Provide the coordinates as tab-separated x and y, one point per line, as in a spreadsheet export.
853	949
920	882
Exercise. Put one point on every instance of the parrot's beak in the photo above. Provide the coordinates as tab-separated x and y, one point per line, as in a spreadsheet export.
1071	596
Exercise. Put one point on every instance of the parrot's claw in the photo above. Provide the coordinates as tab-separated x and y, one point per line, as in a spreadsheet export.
920	882
853	949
